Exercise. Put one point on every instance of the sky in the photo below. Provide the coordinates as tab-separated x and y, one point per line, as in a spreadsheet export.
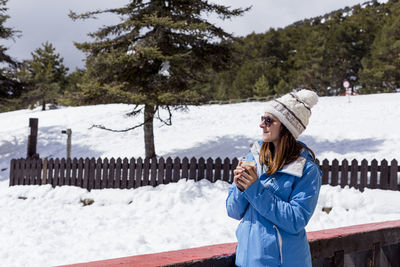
47	20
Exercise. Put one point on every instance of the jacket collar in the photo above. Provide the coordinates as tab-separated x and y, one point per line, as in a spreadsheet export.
294	168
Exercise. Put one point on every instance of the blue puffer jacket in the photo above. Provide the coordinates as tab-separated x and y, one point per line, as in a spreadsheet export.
274	211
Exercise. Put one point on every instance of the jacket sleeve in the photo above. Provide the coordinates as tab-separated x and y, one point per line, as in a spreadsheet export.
236	203
291	216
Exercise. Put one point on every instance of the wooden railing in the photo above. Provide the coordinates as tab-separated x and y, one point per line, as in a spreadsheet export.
133	173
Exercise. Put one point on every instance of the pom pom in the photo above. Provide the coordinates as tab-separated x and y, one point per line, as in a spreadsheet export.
308	97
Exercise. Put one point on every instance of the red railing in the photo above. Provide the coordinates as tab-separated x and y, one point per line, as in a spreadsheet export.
374	244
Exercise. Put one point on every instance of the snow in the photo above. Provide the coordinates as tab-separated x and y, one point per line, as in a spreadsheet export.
53	227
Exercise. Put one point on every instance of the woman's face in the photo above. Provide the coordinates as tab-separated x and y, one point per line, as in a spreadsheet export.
271	128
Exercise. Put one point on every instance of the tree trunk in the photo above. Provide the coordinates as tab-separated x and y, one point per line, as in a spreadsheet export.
148	131
43	104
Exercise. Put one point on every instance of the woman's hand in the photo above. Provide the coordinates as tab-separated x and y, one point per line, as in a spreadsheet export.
248	177
237	173
244	176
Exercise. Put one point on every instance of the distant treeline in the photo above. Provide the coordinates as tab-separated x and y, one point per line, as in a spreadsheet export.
360	44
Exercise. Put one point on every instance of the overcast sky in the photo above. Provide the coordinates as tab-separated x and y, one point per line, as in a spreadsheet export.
47	20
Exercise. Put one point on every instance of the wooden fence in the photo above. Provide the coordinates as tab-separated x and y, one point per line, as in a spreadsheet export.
124	174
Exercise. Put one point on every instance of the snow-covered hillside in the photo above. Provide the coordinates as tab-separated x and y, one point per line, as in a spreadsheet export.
368	127
52	226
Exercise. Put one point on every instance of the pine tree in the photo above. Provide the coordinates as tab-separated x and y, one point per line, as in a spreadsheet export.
381	71
309	63
155	56
10	88
261	87
44	76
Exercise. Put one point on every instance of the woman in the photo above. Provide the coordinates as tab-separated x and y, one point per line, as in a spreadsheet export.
275	199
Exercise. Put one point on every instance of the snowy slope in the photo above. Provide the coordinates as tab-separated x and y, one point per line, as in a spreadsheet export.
368	127
52	227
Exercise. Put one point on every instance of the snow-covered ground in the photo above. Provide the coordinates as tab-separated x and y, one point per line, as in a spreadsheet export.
52	226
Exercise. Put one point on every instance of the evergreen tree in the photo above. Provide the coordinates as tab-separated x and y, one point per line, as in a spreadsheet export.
155	56
72	93
44	76
10	88
309	63
261	87
381	71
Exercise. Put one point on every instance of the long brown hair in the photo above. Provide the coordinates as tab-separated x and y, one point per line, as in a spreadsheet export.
288	151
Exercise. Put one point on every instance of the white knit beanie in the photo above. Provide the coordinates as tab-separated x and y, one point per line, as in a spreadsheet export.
293	110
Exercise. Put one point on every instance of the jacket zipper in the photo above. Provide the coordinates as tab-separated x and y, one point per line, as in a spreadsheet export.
270	181
280	245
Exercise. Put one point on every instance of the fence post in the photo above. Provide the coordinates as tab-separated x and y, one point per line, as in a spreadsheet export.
32	138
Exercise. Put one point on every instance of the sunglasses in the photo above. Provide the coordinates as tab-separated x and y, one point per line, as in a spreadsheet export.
267	120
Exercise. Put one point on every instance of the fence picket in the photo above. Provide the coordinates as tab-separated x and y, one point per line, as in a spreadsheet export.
25	176
200	169
168	171
217	169
32	171
354	174
104	179
160	172
36	171
185	168
39	171
17	172
74	171
81	166
20	172
30	167
68	168
85	181
12	172
131	180
226	170
209	170
124	179
344	175
335	173
177	170
235	162
364	174
117	178
138	176
92	170
325	171
62	172
374	174
193	167
146	167
56	177
384	177
153	175
97	180
393	175
79	179
111	173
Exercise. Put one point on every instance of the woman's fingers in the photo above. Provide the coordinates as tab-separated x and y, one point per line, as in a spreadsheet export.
238	170
251	173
